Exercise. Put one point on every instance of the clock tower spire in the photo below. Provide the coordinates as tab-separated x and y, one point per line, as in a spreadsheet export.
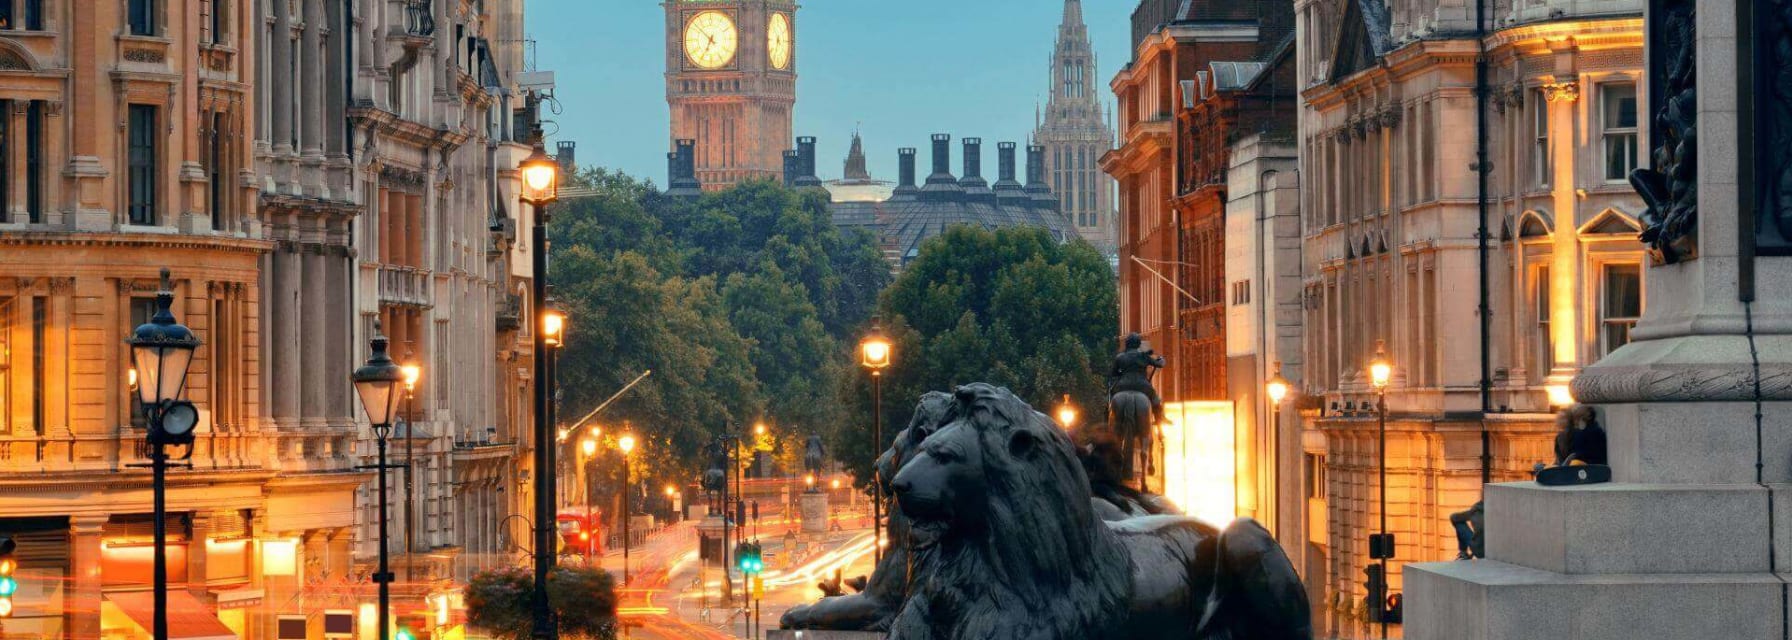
731	85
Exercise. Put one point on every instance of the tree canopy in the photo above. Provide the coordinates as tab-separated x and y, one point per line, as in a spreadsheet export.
583	599
741	302
1011	307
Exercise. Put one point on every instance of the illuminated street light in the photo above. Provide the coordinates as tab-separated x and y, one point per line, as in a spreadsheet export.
1066	413
627	444
541	177
376	383
590	447
1277	387
875	354
1380	369
553	325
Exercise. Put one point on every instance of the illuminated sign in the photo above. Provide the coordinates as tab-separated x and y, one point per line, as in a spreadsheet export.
1200	463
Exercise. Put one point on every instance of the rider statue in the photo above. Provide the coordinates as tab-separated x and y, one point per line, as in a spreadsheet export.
1132	372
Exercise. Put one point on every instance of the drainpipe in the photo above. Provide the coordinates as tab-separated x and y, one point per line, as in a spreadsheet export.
1481	237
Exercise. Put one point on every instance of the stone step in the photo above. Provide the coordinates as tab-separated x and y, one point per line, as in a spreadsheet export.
1620	528
1492	600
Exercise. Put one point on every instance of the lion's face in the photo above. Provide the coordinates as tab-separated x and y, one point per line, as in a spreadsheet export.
943	487
929	416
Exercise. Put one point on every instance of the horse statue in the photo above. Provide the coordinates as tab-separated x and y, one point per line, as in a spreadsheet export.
814	452
1134	408
715	478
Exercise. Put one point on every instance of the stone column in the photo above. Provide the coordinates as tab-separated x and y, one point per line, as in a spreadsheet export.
339	319
284	344
1565	277
315	309
283	82
83	612
15	123
311	92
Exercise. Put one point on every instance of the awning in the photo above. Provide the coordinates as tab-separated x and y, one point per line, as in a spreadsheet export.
188	619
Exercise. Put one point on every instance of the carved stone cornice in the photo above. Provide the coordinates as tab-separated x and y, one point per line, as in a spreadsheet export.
134	241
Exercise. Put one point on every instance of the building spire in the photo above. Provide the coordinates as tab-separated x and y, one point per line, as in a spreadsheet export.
855	160
1073	13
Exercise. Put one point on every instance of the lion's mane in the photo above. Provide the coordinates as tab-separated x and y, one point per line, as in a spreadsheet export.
889	584
1040	567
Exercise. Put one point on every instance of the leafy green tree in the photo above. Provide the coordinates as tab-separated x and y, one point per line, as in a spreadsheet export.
501	602
741	302
1011	307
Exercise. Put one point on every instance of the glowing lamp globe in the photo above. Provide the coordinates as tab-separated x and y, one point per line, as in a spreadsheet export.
1381	370
161	351
626	443
875	349
1277	387
541	177
377	384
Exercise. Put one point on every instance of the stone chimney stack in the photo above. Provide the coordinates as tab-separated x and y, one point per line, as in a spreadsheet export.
682	164
1008	190
941	186
793	167
973	183
805	150
905	186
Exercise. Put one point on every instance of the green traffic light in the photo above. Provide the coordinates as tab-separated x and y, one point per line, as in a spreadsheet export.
8	586
404	633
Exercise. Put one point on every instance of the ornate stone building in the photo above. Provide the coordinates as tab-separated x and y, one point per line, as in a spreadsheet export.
1392	218
437	118
302	167
731	85
1075	133
127	145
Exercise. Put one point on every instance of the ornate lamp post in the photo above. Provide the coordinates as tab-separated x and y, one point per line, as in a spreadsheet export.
1381	371
874	355
627	444
377	384
589	446
412	373
540	188
1066	413
161	351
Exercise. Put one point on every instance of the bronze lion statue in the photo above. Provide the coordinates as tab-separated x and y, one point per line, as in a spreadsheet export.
873	608
999	503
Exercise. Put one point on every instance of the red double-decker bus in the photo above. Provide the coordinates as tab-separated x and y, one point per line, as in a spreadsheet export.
582	531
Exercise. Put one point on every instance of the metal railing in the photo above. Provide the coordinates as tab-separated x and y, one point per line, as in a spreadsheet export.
420	19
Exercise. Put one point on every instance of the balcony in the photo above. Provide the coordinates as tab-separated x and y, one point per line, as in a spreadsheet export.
419	19
404	286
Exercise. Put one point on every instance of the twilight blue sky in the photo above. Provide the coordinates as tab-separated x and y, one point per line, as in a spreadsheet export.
903	69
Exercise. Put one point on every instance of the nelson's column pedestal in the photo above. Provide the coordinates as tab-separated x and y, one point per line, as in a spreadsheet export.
1694	535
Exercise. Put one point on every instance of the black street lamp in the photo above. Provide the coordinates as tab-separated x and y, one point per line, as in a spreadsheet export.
874	355
377	384
540	188
1381	371
412	373
627	444
161	351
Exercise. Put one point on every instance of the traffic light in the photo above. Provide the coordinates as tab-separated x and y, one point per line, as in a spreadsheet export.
1377	585
404	633
751	561
8	584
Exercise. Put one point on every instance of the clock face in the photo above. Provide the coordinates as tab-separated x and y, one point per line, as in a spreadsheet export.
710	40
777	41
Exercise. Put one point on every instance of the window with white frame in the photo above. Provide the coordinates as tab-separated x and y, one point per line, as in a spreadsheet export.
1617	106
1546	354
1540	132
1621	304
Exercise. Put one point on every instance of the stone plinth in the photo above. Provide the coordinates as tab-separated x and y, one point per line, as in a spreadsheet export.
822	635
711	546
815	512
1690	539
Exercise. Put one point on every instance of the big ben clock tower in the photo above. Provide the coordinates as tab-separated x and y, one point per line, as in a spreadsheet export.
731	83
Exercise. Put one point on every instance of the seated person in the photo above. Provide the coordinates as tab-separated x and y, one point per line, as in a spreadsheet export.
1471	529
1579	438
